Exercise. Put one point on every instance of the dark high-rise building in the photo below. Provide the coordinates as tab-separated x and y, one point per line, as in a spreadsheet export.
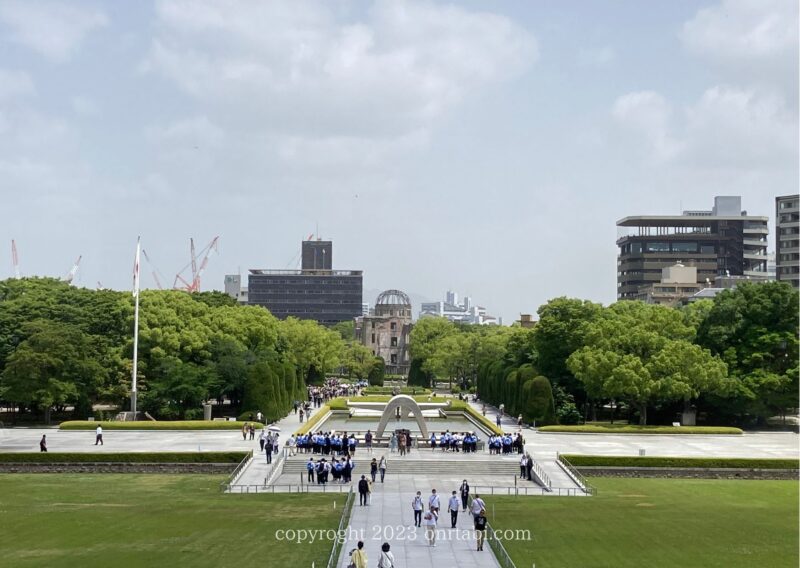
317	255
722	241
322	294
787	239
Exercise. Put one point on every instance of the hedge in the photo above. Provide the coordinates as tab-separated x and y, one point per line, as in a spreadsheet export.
481	418
157	425
311	422
131	457
388	390
633	461
636	429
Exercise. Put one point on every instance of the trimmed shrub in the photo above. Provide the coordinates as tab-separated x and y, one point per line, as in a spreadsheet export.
158	425
638	429
538	401
377	372
130	457
418	377
633	461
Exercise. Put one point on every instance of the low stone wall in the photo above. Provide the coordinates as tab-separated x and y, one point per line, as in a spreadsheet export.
688	472
176	468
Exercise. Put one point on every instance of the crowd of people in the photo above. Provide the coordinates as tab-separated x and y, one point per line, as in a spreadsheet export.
331	388
466	442
506	444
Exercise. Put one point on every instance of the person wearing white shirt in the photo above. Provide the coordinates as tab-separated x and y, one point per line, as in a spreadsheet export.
433	502
98	439
430	519
452	506
477	506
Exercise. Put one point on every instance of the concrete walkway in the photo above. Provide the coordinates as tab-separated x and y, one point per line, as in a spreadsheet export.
545	446
389	518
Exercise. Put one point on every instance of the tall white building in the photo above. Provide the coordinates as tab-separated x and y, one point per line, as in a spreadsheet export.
464	312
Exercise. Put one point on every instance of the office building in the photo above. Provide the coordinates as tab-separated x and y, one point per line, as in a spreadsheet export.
322	294
386	331
787	239
464	312
722	241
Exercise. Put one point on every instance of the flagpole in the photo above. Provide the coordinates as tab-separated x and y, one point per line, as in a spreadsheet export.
135	328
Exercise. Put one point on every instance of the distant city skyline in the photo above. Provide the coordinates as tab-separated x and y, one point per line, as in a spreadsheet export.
488	147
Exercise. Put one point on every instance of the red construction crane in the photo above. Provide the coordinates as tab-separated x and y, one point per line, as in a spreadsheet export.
194	285
154	272
71	274
15	258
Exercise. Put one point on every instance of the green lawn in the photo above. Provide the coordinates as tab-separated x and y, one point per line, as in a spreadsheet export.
154	520
657	523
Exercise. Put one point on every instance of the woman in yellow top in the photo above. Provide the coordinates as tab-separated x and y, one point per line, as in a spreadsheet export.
358	558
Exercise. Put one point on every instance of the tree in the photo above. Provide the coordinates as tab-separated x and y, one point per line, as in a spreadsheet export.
753	328
346	329
642	353
56	365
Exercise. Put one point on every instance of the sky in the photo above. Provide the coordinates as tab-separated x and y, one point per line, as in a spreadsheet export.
484	147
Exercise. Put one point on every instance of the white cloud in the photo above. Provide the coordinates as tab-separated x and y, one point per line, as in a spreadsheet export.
738	30
650	114
740	128
727	128
53	29
14	84
310	71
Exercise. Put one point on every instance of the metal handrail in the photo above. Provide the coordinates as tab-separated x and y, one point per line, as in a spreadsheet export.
236	472
576	476
277	466
543	477
347	510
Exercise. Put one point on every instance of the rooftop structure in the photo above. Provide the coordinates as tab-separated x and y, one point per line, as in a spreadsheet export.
464	312
723	240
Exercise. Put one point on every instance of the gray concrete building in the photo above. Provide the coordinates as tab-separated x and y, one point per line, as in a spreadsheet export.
321	294
787	239
718	242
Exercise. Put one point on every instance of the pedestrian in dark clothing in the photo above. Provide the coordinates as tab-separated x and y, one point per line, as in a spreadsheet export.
268	449
373	469
43	443
363	490
464	494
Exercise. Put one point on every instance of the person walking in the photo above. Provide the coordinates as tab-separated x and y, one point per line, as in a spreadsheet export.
262	438
452	506
373	469
268	448
363	490
43	443
368	443
523	467
358	556
480	528
98	438
529	467
418	507
387	558
433	502
430	519
382	467
301	416
477	505
464	494
310	469
393	443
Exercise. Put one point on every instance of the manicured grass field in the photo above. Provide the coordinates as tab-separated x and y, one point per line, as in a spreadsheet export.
154	520
622	428
657	523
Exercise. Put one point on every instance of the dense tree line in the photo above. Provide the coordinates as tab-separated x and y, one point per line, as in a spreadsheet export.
734	359
62	346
